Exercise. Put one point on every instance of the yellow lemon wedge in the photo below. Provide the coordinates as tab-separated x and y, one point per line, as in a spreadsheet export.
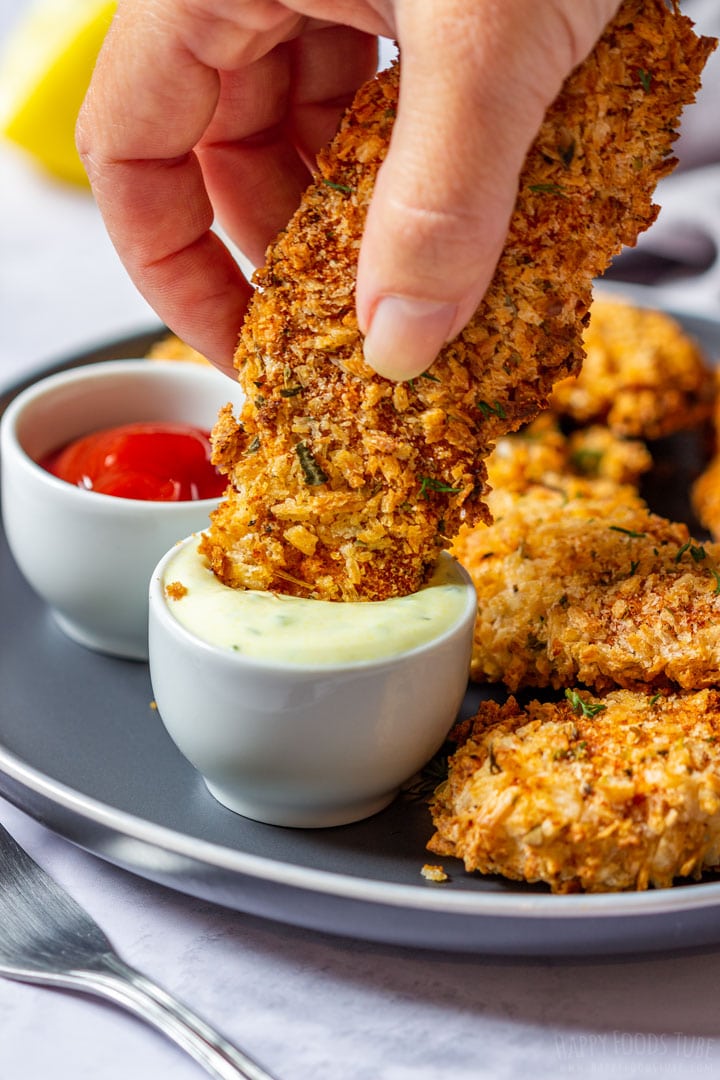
45	71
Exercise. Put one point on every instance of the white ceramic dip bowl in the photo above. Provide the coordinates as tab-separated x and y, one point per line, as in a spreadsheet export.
306	742
90	555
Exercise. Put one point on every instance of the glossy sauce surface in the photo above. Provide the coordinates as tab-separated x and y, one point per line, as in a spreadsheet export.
159	462
315	632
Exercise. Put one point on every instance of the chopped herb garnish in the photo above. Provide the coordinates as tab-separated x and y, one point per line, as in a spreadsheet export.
429	483
494	767
655	698
681	552
567	153
337	187
290	388
583	708
633	567
586	462
254	446
628	532
698	553
314	475
547	189
645	79
427	375
716	575
491	410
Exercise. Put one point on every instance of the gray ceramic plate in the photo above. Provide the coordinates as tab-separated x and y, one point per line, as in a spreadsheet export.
82	751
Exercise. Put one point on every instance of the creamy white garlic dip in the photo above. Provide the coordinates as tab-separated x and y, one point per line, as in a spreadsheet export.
294	630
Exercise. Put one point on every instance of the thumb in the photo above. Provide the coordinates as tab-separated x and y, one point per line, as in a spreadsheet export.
476	81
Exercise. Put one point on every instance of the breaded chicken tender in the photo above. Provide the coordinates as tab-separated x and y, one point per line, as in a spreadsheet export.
586	794
578	582
642	376
344	485
705	493
706	498
541	451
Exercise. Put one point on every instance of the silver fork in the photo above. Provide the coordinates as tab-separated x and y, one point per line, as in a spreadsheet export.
47	938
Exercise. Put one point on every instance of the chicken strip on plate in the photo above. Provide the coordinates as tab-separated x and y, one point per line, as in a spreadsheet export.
705	493
578	581
588	794
643	375
541	451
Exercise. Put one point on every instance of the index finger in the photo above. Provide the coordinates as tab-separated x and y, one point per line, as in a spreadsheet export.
149	104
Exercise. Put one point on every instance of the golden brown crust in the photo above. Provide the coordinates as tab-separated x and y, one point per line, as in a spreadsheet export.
578	582
706	497
540	452
705	493
345	485
586	794
642	376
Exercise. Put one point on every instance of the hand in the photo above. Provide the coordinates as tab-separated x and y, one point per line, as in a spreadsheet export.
220	106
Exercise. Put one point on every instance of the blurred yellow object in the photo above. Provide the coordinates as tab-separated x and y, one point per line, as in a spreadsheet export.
45	71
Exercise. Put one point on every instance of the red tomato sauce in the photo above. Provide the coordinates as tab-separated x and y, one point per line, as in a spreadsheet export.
159	462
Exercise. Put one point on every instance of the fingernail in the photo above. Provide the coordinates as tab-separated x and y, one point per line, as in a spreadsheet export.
406	335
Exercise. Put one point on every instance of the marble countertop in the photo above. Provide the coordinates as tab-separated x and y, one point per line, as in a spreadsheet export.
304	1004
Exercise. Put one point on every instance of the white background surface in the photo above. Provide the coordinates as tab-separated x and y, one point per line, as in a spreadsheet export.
306	1005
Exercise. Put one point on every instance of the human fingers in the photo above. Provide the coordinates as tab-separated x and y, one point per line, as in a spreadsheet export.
271	119
152	98
476	82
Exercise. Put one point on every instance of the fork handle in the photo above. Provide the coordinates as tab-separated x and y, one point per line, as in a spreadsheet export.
123	985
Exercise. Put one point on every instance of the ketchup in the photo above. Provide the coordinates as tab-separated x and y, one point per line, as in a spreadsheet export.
156	461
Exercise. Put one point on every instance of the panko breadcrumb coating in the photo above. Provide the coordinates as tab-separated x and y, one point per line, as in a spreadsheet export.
578	582
705	493
586	794
541	451
344	485
642	376
433	873
706	498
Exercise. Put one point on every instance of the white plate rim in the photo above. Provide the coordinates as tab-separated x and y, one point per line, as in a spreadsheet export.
481	904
